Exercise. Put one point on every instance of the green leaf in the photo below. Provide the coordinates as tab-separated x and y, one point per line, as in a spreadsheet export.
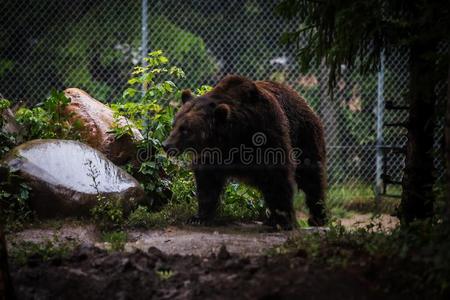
134	80
129	92
155	53
163	60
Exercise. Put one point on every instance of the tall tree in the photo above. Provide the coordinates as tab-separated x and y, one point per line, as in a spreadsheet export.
6	290
355	33
447	140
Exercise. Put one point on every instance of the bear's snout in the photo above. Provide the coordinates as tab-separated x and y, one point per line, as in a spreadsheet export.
170	148
166	145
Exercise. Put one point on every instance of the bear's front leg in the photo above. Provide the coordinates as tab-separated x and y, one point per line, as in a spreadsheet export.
278	195
209	187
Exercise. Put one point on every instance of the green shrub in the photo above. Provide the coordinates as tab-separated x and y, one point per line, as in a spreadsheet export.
14	203
140	217
183	185
241	202
107	212
48	120
14	193
7	141
173	213
412	258
150	112
4	103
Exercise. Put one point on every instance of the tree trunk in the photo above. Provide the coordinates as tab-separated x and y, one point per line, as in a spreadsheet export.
447	142
417	199
6	290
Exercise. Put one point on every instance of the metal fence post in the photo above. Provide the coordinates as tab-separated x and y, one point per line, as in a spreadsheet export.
144	36
379	128
144	30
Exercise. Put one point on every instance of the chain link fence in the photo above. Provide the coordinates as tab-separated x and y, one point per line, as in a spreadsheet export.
93	45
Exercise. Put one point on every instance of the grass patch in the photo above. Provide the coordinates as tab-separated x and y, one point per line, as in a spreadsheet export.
117	239
412	260
22	252
343	200
174	213
239	203
243	203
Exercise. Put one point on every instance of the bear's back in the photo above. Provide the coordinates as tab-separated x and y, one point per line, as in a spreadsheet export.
305	127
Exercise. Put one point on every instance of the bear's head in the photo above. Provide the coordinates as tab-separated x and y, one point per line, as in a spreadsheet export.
196	123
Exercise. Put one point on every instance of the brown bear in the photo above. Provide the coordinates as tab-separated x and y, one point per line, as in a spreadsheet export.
259	132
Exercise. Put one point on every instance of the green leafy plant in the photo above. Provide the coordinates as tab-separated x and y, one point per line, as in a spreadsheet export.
241	202
164	274
14	200
107	212
49	120
14	193
203	90
7	140
4	103
182	185
117	239
146	104
151	82
140	217
173	213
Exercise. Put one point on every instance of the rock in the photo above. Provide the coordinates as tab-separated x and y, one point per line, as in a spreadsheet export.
61	174
97	120
223	253
10	125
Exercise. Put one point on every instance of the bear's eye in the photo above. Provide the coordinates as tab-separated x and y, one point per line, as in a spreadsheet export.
183	129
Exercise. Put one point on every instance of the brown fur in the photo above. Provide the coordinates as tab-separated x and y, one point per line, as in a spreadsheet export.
227	118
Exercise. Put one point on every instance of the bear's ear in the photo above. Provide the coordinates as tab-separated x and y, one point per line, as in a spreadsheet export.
240	88
222	112
186	96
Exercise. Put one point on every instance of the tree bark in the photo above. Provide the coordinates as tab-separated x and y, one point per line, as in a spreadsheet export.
417	198
6	290
447	142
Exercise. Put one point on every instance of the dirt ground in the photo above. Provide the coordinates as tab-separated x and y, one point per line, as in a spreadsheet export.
381	222
244	239
91	273
185	263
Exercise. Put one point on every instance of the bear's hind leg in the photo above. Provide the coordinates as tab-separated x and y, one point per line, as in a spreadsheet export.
311	180
209	187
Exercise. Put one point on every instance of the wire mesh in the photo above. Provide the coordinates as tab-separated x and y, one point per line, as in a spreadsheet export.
93	45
